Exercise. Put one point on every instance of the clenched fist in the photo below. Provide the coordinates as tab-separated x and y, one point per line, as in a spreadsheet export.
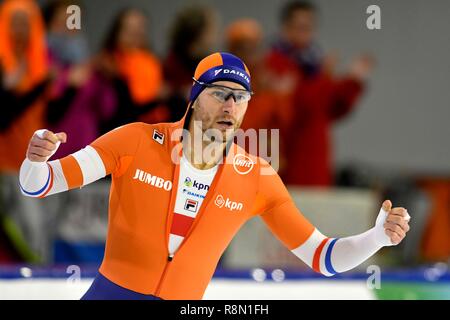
44	144
392	224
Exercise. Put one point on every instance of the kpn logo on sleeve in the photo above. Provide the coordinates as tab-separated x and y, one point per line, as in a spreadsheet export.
221	202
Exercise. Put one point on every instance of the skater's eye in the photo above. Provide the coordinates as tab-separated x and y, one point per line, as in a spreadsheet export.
219	94
241	97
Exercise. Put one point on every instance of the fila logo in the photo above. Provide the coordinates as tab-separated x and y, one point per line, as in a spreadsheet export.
230	205
158	136
152	180
191	205
242	164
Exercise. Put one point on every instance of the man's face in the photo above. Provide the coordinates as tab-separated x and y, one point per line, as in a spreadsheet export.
248	50
214	114
300	29
133	33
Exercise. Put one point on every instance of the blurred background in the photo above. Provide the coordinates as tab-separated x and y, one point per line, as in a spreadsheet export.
362	116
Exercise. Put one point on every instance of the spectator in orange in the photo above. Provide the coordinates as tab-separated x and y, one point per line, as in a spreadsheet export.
135	72
24	74
24	86
319	97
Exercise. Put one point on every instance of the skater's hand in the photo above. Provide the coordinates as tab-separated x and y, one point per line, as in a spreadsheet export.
44	144
392	224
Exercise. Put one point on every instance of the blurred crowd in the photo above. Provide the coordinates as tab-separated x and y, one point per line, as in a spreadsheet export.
51	78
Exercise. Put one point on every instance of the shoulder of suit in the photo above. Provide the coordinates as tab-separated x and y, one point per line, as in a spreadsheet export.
160	133
241	151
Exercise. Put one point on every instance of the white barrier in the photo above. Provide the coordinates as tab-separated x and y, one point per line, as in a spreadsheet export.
219	289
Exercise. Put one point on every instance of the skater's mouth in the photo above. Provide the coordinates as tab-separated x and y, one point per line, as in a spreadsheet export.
225	122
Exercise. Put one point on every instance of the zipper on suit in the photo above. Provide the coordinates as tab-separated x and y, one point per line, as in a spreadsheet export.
170	216
166	267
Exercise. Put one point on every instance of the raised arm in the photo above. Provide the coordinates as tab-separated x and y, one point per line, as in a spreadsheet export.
40	178
323	254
